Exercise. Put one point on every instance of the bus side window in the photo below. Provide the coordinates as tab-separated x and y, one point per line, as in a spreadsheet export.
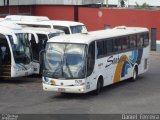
100	49
109	46
105	47
146	39
91	58
133	43
140	38
117	45
125	43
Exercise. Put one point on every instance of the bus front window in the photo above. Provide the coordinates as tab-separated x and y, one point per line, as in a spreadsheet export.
51	35
63	28
21	48
78	29
65	61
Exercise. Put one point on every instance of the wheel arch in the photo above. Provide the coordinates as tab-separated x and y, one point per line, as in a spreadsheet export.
101	79
135	67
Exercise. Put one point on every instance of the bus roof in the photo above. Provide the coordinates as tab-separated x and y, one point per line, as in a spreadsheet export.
1	19
8	27
26	18
96	35
42	30
65	23
39	20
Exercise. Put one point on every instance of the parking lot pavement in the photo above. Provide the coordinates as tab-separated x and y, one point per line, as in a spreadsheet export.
25	95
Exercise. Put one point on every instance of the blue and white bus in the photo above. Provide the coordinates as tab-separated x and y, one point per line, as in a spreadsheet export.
82	63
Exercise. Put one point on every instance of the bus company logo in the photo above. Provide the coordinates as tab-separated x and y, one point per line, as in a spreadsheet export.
114	60
111	60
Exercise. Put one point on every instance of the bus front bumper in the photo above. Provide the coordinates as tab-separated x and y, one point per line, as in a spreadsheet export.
22	73
64	89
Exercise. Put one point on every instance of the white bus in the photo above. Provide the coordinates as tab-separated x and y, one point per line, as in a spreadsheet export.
82	63
69	27
15	52
38	38
1	19
26	18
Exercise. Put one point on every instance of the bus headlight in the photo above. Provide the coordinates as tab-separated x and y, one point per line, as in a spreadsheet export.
81	90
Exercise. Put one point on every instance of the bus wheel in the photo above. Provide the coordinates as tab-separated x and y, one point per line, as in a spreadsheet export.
99	87
135	74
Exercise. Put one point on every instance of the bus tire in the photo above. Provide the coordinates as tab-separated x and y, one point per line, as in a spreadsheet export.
135	74
99	86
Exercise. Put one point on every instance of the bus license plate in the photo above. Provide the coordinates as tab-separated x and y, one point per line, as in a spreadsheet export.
61	90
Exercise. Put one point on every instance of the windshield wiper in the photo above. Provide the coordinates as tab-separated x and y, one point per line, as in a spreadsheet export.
59	66
69	70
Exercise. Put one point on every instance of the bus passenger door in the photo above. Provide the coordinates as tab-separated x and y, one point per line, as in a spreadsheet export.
5	57
35	52
42	38
91	81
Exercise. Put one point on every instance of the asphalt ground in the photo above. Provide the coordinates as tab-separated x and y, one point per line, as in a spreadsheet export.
25	96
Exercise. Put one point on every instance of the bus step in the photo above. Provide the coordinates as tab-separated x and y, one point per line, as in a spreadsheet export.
5	76
5	71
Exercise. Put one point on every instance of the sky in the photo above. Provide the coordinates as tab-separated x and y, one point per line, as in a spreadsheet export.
140	2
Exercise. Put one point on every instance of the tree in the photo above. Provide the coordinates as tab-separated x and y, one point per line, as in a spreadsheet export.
144	5
122	3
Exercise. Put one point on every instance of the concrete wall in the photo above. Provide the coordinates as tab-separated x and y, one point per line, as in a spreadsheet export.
54	12
13	10
96	18
93	18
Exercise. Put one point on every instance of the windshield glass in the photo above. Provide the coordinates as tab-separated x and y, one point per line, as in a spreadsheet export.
21	48
78	29
65	61
51	35
63	28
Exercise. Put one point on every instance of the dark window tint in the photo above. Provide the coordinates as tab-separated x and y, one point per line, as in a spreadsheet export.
63	28
140	39
125	43
42	40
108	46
100	49
132	41
37	26
146	39
5	56
117	45
91	58
35	48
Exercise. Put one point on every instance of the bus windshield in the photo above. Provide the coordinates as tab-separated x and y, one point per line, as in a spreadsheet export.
65	61
21	48
51	35
63	28
78	29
